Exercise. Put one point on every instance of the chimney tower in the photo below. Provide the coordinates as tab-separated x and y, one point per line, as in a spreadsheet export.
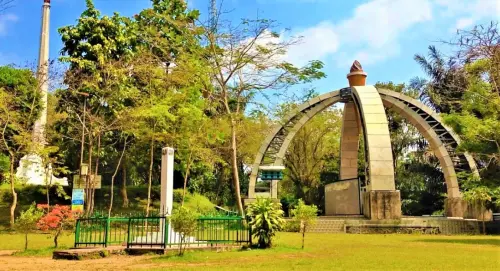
43	74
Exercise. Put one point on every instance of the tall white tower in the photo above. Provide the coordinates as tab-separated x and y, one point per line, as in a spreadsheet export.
31	167
43	74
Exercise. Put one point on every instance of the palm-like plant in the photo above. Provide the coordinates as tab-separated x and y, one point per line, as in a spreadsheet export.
266	218
447	83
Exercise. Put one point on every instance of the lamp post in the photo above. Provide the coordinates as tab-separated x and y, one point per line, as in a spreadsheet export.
83	169
85	94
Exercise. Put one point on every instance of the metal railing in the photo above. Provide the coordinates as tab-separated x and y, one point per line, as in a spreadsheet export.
156	232
147	232
101	231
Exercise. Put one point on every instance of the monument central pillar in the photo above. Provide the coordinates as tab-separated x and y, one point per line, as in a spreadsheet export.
365	112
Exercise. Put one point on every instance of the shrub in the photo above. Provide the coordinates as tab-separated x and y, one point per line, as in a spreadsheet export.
266	218
291	226
305	215
184	222
60	218
194	202
199	204
27	222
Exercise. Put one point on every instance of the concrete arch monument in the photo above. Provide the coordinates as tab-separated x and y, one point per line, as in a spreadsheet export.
364	114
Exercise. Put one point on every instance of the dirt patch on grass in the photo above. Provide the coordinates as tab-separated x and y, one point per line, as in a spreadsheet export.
44	263
7	252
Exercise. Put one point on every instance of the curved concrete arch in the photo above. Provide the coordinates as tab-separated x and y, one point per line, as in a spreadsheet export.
431	136
308	116
370	102
431	116
416	120
285	131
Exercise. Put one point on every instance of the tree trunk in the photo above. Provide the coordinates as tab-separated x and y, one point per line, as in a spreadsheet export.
303	238
25	241
150	177
96	171
234	164
87	181
13	190
186	175
48	198
484	224
49	183
113	178
123	188
55	239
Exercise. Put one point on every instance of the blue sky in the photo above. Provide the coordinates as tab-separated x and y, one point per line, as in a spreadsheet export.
383	35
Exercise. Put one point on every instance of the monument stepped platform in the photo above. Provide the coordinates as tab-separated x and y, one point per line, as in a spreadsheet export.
408	224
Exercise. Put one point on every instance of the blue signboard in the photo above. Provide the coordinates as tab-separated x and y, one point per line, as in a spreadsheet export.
77	199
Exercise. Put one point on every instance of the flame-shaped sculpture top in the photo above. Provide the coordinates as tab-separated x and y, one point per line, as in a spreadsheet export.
356	67
46	1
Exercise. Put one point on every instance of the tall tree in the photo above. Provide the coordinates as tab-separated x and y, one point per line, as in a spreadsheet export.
446	85
309	153
98	49
165	73
20	108
245	60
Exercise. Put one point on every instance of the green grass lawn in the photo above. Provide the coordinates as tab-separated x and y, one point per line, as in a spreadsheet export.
38	244
357	252
322	252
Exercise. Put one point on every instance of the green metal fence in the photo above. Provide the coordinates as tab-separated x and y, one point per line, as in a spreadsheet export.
156	232
101	231
147	232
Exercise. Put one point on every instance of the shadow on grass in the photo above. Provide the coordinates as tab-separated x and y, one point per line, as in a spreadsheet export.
201	256
39	252
492	242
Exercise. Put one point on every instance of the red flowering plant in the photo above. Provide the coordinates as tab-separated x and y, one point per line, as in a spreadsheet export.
59	218
42	206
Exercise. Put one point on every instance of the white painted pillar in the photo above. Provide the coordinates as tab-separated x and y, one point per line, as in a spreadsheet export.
43	73
167	180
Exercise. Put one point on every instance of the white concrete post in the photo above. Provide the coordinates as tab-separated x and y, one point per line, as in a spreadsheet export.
167	180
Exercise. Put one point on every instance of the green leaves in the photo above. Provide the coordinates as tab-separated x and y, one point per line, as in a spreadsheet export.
305	214
266	219
27	220
184	221
20	107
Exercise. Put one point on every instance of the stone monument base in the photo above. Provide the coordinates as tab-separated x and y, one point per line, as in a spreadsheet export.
379	205
458	207
342	198
454	207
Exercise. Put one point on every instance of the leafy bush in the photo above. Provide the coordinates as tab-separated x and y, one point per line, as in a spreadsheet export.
194	202
178	195
184	221
27	194
266	218
291	226
27	222
305	215
4	164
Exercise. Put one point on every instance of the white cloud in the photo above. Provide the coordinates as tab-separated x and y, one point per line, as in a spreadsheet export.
469	12
463	23
373	30
5	20
376	28
380	22
317	43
